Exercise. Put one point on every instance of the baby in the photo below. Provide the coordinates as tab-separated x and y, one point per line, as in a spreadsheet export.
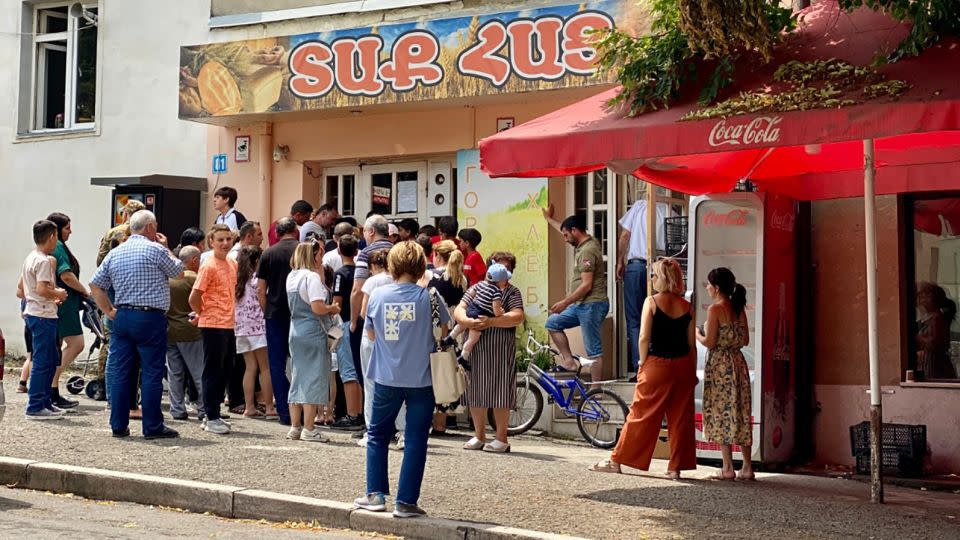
487	302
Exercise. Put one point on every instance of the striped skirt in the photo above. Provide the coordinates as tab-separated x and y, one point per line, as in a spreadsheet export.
493	377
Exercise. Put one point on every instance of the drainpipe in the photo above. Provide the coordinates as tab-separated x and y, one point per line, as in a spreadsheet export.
265	173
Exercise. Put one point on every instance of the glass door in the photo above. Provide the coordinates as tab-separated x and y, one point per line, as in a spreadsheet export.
396	190
340	188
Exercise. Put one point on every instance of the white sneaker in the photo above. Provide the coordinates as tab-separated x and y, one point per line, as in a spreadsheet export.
192	408
57	410
217	426
362	441
44	414
313	436
399	441
294	433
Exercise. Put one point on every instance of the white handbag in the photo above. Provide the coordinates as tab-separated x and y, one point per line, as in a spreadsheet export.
449	378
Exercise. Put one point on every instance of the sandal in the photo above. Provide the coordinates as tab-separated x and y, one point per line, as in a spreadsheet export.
239	409
255	414
474	444
719	477
497	447
672	475
746	478
606	466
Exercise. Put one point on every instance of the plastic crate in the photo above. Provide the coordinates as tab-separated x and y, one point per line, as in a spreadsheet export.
904	447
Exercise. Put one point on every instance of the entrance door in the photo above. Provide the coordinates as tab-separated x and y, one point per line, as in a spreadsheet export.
341	189
395	190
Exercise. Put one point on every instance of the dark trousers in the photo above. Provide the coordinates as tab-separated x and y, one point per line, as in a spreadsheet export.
219	350
355	338
235	371
143	332
278	350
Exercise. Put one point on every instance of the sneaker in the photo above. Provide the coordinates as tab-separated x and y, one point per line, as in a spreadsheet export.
64	403
192	408
374	502
44	414
404	510
362	434
217	426
181	417
399	441
294	433
348	423
313	436
362	442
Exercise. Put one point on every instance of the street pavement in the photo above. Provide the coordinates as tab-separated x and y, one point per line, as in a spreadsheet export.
542	485
35	515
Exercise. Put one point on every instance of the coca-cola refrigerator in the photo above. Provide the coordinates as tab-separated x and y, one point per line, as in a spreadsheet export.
754	235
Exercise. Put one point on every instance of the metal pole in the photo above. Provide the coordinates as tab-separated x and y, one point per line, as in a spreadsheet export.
876	408
651	232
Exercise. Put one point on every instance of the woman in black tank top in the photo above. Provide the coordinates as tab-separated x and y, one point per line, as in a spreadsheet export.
665	382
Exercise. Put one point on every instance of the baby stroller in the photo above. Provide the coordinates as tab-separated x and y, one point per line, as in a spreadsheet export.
92	318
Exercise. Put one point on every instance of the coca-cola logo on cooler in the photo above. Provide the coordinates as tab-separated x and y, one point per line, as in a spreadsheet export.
783	221
733	218
760	130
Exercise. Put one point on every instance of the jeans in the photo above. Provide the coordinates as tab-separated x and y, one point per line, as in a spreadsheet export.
183	359
278	350
348	372
634	293
46	358
386	406
144	332
589	317
219	351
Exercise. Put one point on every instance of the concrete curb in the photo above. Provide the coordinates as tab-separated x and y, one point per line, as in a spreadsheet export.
238	502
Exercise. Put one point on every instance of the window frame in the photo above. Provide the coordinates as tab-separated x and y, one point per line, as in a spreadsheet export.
37	102
910	282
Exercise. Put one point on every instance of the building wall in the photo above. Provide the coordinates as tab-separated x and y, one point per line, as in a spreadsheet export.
138	133
841	370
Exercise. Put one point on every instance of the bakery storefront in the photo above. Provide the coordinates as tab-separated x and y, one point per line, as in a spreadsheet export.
386	118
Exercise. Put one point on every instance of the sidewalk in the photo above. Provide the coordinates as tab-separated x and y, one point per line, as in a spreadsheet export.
542	485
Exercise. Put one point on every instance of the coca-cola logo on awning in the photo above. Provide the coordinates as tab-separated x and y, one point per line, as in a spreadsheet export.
733	218
760	130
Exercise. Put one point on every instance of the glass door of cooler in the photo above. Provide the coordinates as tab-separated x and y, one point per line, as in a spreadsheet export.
727	231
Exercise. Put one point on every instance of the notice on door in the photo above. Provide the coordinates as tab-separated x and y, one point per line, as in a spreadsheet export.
381	195
406	196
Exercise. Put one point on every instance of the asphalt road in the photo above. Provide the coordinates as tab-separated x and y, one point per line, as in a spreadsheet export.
26	514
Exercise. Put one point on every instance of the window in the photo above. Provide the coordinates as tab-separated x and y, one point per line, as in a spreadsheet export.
592	199
64	78
395	189
935	254
341	189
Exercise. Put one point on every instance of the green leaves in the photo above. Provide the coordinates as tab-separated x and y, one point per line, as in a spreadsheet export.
931	19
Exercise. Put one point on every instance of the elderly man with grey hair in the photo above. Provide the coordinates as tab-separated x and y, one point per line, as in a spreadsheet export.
184	346
138	270
272	291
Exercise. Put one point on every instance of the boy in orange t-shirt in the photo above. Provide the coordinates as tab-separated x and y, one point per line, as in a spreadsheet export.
213	301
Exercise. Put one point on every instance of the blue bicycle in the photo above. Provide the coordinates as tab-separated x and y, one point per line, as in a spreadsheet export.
600	412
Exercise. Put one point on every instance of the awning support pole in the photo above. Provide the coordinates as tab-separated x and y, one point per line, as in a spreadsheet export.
651	233
876	407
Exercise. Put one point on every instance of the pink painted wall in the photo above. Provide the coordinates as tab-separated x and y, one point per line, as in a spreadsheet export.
394	136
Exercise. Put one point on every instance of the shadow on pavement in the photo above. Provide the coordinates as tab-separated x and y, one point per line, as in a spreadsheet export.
13	504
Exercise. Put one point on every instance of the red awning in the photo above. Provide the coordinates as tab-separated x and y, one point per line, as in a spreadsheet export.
816	154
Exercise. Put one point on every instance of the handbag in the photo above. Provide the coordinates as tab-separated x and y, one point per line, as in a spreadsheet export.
449	378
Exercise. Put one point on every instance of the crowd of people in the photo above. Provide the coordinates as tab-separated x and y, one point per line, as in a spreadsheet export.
333	325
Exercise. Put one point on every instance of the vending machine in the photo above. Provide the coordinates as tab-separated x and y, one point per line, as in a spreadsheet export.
177	201
754	235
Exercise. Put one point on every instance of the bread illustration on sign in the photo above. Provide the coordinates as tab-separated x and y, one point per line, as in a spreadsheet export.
231	78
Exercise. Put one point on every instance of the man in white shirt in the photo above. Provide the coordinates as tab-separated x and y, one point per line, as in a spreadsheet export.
250	235
224	200
333	257
632	269
320	224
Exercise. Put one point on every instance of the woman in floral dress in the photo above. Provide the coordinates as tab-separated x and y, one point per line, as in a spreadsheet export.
726	385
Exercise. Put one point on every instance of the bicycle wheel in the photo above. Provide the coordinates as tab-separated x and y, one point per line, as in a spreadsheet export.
600	415
528	409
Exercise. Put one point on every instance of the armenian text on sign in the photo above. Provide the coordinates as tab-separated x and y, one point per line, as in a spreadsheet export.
536	49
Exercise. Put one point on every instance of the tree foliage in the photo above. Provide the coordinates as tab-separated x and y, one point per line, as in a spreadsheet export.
700	41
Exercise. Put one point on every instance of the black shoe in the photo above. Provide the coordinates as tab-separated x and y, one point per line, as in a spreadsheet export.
183	416
632	379
448	342
165	433
358	434
348	423
121	433
64	403
464	362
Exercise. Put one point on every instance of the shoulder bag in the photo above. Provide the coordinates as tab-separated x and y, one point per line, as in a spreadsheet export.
449	378
331	325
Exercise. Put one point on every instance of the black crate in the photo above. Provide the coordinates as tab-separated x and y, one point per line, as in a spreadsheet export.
904	447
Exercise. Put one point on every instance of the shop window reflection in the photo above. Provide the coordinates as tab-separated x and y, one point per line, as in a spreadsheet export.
936	270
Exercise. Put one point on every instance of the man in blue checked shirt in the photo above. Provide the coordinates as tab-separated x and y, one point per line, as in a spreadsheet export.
138	271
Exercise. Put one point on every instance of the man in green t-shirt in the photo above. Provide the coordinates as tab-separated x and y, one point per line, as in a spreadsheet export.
587	303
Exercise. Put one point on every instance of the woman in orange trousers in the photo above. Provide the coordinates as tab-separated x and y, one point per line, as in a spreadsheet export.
665	383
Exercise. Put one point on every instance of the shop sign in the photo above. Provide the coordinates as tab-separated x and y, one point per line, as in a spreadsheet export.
760	130
536	49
